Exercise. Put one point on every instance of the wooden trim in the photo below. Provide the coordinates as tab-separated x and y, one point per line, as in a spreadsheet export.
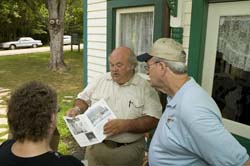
159	19
244	142
197	38
197	47
219	1
85	41
173	5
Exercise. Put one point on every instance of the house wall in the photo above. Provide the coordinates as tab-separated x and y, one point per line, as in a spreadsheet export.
96	40
187	7
96	31
183	20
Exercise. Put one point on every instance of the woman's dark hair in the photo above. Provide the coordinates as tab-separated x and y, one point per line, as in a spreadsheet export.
30	109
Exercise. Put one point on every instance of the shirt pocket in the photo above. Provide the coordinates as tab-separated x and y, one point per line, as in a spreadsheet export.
170	117
135	108
169	121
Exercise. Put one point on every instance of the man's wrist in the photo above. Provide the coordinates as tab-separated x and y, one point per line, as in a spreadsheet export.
78	109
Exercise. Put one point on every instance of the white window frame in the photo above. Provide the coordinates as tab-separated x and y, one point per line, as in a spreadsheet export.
129	10
216	10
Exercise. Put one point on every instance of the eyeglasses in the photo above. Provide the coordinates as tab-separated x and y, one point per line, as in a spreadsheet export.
147	67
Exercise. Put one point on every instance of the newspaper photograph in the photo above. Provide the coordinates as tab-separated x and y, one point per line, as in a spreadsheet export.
87	128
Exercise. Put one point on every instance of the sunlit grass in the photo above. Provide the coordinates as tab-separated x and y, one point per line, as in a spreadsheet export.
4	133
2	116
15	70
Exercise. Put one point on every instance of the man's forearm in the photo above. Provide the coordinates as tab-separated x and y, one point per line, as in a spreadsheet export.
81	104
142	124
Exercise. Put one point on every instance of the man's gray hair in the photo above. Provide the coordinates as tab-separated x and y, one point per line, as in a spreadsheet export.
176	67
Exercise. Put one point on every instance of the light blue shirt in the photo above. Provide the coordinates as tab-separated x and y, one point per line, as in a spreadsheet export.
191	132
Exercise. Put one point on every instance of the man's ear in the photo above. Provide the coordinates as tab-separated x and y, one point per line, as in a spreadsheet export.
131	66
163	65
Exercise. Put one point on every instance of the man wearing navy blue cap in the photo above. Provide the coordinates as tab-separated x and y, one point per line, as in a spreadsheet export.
190	131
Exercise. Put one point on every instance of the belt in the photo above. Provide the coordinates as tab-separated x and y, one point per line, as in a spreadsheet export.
114	144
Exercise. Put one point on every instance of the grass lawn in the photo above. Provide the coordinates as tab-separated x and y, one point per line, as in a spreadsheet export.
18	69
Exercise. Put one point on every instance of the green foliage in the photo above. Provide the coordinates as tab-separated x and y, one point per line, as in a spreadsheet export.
73	19
63	130
29	18
17	19
63	148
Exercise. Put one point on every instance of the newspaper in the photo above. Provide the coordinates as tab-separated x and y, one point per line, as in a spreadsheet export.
87	128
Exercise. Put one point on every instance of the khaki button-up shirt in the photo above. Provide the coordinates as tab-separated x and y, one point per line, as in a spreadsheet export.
131	100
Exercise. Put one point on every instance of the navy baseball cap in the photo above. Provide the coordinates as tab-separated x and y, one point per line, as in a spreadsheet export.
165	48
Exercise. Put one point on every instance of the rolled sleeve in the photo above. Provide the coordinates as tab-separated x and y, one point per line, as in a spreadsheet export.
214	143
87	93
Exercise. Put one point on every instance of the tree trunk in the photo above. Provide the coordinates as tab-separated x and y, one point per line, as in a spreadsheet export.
56	10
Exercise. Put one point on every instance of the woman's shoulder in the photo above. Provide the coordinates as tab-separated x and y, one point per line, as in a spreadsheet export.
7	144
55	158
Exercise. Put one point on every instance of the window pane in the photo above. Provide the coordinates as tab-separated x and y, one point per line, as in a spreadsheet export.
136	32
231	88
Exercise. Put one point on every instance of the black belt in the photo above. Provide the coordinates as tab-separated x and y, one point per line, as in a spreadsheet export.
114	144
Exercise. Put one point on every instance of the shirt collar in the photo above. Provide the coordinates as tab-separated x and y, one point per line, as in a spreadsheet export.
133	81
173	101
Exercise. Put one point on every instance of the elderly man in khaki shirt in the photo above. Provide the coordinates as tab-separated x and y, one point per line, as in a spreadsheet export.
133	101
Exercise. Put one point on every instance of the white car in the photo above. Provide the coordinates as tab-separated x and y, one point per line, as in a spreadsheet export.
66	39
22	42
